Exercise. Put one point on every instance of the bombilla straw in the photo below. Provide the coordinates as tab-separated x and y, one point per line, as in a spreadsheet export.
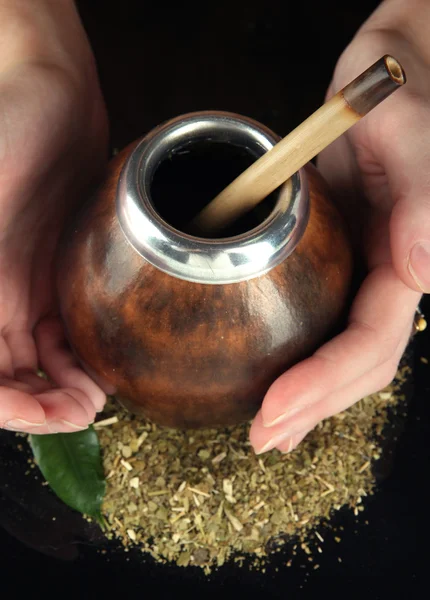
319	130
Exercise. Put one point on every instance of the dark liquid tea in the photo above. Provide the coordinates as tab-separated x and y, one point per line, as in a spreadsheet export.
192	175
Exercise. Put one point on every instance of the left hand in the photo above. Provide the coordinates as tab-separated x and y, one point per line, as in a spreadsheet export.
53	147
383	164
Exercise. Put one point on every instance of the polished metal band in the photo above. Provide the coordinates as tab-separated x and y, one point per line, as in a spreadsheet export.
207	261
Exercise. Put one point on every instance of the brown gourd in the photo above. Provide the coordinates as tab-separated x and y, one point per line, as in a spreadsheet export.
186	354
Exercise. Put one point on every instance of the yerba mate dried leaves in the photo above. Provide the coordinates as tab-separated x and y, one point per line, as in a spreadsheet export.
203	497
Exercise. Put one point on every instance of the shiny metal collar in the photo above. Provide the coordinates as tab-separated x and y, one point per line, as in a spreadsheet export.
207	261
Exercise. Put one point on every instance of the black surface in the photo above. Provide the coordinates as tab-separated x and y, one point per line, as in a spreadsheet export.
384	552
271	61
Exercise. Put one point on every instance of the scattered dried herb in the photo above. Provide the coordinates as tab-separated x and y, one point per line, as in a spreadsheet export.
203	497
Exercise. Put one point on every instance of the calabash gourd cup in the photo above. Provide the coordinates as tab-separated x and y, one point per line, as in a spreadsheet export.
191	331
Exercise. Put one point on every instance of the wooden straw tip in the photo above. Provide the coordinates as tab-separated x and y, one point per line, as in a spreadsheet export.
395	70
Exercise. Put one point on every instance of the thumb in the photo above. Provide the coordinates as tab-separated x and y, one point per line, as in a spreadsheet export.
405	155
392	152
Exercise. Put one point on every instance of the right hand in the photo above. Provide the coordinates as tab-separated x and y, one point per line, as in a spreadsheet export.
379	172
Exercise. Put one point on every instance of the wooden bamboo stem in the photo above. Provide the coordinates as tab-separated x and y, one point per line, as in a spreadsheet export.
319	130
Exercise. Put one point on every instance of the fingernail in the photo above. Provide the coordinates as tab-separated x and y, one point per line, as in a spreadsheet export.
291	446
284	416
21	425
63	426
77	427
419	265
273	442
295	440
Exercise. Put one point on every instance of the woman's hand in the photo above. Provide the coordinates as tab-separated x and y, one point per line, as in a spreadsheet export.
53	141
380	171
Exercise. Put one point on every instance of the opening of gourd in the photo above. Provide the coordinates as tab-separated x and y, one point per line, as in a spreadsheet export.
193	173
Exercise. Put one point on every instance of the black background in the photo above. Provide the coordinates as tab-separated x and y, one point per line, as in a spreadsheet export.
272	61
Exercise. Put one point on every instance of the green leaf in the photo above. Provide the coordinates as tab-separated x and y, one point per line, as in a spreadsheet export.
71	464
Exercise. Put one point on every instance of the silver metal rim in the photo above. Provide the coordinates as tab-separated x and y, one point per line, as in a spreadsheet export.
201	260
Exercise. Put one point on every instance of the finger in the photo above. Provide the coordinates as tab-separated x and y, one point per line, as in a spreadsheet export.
60	365
63	410
383	309
29	382
52	411
395	176
54	406
406	161
84	401
26	384
292	442
288	434
20	411
22	349
264	440
338	165
16	385
6	367
387	153
36	384
33	382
